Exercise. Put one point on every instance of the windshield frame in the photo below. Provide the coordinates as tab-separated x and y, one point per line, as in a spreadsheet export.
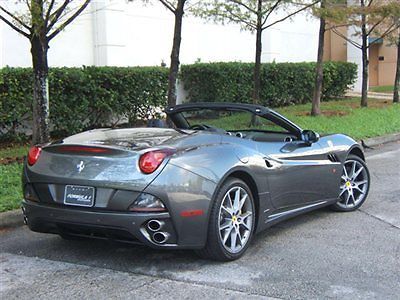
176	116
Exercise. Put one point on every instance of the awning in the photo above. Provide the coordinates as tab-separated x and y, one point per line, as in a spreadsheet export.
375	40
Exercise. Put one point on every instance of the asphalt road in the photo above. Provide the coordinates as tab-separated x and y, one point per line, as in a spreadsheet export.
318	255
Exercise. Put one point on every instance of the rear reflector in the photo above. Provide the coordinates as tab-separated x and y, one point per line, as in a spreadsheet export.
192	213
29	193
33	155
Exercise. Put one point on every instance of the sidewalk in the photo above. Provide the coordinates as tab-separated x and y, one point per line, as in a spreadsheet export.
385	96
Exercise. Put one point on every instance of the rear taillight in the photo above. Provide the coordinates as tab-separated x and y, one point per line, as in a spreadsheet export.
33	155
150	161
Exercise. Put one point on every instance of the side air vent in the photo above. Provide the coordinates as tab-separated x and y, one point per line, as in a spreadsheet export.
333	157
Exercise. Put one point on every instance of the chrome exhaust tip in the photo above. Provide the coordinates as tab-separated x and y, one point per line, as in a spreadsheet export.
160	237
155	225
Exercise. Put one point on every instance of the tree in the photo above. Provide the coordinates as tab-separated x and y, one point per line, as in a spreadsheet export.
394	40
254	16
326	7
397	78
41	21
369	18
178	9
319	71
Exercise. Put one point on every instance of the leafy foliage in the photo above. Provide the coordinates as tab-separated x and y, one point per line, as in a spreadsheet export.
381	18
254	16
40	21
281	84
83	98
90	97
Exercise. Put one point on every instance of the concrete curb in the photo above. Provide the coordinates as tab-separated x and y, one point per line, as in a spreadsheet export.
14	218
381	96
372	142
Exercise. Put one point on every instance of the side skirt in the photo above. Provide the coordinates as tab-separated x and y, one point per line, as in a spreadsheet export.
275	218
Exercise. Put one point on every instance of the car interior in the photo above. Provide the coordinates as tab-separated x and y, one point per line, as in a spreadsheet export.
238	123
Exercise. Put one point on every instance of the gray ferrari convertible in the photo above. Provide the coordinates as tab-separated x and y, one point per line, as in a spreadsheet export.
222	173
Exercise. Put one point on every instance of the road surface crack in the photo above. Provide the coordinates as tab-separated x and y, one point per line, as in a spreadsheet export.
379	219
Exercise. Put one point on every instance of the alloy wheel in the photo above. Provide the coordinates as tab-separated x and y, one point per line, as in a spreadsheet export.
235	219
353	185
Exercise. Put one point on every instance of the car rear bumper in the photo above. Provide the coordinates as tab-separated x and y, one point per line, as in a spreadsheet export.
120	226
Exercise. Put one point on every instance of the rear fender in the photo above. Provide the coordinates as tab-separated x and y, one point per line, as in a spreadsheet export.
187	197
220	162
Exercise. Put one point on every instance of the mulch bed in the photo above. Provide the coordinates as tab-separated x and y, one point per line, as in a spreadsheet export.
11	160
340	113
372	104
328	113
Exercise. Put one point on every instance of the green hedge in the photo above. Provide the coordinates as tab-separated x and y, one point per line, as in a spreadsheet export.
82	98
281	83
90	97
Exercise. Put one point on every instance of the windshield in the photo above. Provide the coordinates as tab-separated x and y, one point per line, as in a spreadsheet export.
229	120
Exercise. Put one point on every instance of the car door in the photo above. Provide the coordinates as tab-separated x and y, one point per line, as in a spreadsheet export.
299	173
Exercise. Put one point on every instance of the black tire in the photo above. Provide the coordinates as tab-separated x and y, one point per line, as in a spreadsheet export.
337	206
214	248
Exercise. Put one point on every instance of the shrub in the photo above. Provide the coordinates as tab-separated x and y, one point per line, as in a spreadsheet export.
15	101
90	97
82	98
281	83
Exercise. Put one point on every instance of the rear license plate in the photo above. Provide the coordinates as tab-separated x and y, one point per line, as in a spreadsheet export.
79	195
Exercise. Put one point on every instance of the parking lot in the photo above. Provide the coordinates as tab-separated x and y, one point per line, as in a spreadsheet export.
322	254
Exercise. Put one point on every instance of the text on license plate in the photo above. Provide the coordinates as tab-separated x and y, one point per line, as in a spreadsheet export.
79	195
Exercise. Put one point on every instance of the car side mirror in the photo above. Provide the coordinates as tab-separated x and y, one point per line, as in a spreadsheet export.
309	136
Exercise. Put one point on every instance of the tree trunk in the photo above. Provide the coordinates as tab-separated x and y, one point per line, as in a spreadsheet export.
364	49
319	72
39	47
174	67
257	69
257	66
397	80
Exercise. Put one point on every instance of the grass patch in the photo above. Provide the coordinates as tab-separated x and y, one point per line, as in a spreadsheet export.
346	116
10	186
10	175
341	116
382	89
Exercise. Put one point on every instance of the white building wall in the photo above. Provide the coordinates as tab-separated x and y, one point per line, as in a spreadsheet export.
118	33
354	54
109	33
15	49
294	40
150	32
72	47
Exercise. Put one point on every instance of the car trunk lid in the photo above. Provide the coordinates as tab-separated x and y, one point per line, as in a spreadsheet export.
102	157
